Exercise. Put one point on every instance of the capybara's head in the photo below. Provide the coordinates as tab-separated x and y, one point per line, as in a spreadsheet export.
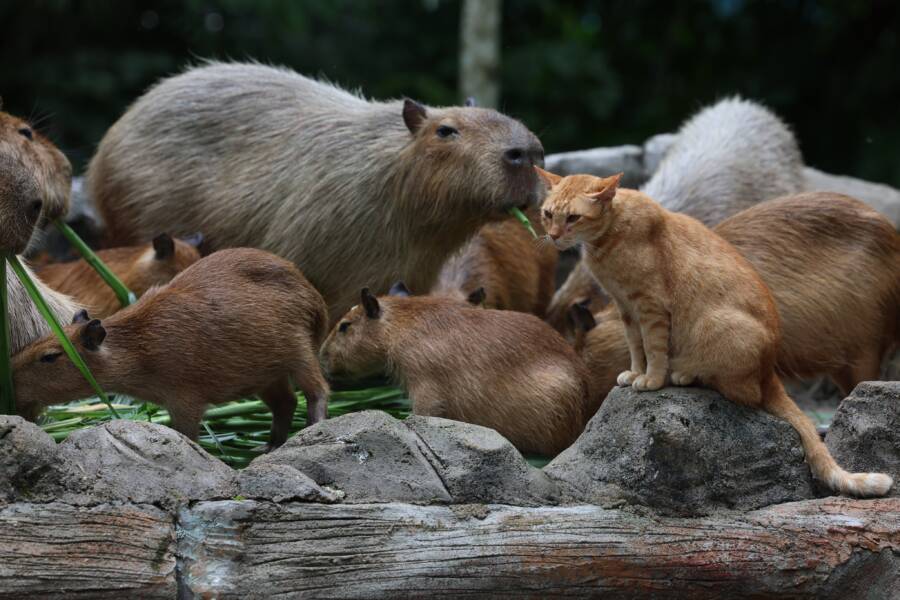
471	158
577	208
35	182
357	346
43	374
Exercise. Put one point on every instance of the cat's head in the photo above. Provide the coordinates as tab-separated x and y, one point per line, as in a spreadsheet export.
577	208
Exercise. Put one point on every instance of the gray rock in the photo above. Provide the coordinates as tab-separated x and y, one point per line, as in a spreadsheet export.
602	162
30	466
684	451
479	465
368	455
655	149
882	198
281	483
141	462
865	433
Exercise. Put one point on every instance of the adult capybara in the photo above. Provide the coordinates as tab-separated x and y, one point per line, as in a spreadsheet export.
501	369
727	157
138	267
516	271
236	323
35	184
832	264
355	192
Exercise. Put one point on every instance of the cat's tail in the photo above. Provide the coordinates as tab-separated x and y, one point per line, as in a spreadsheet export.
821	463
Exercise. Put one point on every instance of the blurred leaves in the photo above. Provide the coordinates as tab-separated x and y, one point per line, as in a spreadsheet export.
579	73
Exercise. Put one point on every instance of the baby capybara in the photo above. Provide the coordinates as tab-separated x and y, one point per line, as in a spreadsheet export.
501	369
138	267
236	323
355	192
516	271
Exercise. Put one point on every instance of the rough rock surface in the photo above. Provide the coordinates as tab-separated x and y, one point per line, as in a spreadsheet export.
141	462
683	451
601	162
369	455
30	466
479	465
282	483
865	433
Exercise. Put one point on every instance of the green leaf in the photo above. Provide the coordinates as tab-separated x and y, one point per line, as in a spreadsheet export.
124	295
7	394
523	219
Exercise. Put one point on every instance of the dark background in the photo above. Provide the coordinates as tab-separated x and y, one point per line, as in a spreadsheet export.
580	74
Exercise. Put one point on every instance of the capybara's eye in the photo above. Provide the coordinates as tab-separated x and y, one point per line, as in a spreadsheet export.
572	218
445	131
342	328
50	357
548	215
26	131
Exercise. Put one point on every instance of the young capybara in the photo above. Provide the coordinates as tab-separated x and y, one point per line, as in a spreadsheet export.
833	267
727	157
516	271
354	192
35	183
235	323
138	267
501	369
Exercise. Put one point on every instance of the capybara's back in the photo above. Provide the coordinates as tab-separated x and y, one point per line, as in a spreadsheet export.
356	193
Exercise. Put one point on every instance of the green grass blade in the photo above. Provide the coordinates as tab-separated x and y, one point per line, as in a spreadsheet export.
523	219
57	329
124	295
7	396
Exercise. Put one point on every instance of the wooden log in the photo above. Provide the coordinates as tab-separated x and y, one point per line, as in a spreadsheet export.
62	551
830	548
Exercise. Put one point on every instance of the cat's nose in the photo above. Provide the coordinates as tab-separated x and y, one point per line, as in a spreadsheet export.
554	234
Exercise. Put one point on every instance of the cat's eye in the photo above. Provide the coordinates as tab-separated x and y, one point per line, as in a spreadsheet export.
445	131
548	215
26	131
344	326
50	357
572	218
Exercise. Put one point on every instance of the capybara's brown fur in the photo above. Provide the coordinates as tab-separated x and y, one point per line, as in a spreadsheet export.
694	309
516	271
355	192
501	369
833	266
236	323
35	182
138	267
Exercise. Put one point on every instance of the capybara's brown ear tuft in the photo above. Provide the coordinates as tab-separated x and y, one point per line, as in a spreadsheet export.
581	317
477	297
81	316
164	246
414	115
370	304
399	289
92	335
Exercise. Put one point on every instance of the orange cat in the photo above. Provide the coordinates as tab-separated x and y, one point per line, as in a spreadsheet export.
694	309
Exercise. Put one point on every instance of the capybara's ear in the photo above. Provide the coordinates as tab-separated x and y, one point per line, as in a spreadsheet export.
414	115
581	317
549	178
477	297
399	289
164	246
92	335
195	239
81	317
606	188
370	304
470	101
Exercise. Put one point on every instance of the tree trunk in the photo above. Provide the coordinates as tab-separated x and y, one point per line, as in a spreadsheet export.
479	55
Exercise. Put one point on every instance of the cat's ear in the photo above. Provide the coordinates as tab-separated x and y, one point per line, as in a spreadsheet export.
549	178
606	188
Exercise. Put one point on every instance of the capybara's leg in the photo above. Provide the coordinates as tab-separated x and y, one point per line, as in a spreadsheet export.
308	377
186	414
282	401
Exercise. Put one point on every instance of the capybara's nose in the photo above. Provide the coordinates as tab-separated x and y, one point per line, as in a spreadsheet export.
524	156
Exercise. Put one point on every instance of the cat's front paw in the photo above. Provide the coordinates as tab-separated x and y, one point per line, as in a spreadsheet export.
680	378
626	378
648	383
